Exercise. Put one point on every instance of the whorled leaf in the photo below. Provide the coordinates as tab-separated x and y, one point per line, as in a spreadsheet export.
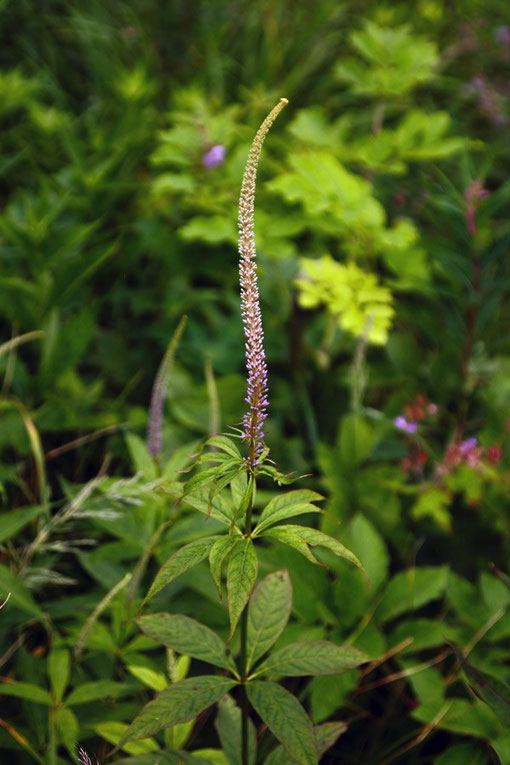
177	704
326	735
295	536
269	612
182	560
286	719
228	726
219	551
286	506
241	578
312	657
189	637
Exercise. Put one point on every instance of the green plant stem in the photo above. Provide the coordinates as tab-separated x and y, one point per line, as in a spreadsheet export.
244	651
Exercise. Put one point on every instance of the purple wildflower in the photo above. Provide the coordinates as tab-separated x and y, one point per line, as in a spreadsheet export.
502	35
256	394
214	157
401	423
468	445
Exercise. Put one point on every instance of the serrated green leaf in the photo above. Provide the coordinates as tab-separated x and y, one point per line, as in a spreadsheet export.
177	704
286	506
182	560
228	726
241	577
325	734
287	537
286	719
188	636
313	537
211	504
13	521
99	689
59	667
312	657
225	444
268	614
27	691
217	555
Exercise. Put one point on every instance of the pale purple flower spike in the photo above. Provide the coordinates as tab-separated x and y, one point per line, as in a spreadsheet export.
214	157
256	394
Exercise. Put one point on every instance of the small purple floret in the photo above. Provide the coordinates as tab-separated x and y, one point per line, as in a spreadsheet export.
401	423
214	157
468	445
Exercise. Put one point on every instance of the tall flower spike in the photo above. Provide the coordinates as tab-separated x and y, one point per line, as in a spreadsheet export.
256	394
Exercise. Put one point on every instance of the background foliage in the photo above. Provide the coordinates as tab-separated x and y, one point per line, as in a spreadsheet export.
382	233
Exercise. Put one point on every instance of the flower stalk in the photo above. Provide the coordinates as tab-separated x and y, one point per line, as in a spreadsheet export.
257	390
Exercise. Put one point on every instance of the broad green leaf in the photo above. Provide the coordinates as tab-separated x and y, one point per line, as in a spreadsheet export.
210	502
225	444
288	537
315	538
177	704
312	657
20	594
27	691
286	719
149	677
325	734
329	692
142	460
187	636
371	548
228	726
182	560
268	614
492	690
59	667
68	727
99	689
217	555
286	506
469	753
241	578
11	522
113	732
412	589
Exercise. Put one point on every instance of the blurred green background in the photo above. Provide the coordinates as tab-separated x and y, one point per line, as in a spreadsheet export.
383	235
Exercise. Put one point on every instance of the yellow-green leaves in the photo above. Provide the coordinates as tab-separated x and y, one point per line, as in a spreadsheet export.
361	306
391	61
